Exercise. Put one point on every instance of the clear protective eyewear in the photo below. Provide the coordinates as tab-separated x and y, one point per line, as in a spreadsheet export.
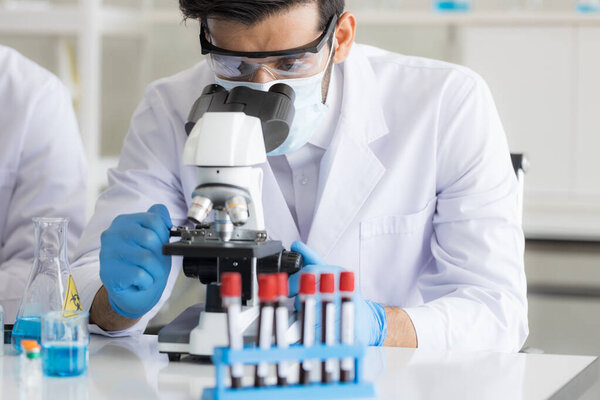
292	63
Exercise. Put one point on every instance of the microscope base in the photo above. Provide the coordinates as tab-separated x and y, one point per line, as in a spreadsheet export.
197	332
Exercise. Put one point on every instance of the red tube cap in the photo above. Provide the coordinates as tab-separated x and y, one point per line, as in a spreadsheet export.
282	284
346	282
327	284
307	283
267	287
231	284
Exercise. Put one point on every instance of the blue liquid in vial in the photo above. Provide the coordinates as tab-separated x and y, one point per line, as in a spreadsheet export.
26	328
59	359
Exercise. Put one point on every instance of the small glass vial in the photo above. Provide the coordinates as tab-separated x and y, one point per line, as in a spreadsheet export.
30	386
588	6
31	362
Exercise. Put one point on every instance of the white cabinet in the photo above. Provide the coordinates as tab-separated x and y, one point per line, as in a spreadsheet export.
587	145
546	85
530	71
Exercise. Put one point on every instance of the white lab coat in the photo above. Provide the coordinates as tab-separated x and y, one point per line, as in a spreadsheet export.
417	195
43	171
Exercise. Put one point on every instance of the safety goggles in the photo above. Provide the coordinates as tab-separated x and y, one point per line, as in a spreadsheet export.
283	64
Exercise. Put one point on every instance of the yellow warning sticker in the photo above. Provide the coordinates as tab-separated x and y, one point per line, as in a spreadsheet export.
72	301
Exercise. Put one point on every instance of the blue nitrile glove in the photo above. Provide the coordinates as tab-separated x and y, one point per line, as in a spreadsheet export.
132	267
370	319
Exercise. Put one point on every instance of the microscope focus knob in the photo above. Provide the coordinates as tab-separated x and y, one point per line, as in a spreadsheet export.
291	262
286	261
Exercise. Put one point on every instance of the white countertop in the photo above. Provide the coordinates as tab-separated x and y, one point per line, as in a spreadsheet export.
132	368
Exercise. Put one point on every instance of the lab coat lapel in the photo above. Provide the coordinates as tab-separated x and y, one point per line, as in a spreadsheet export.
279	222
350	170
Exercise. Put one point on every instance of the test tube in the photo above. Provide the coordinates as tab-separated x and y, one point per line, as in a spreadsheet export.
327	289
281	324
231	293
347	322
307	321
266	294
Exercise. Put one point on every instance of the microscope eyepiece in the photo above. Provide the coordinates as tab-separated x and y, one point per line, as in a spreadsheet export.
284	89
212	89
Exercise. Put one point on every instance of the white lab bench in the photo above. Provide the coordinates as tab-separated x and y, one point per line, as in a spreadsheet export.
132	368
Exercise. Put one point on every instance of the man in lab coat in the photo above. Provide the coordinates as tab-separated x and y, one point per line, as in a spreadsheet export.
43	171
397	168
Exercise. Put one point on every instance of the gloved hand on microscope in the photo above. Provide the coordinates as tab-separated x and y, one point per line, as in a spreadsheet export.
132	267
370	318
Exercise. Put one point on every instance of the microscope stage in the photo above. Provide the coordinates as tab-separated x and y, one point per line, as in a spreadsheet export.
232	249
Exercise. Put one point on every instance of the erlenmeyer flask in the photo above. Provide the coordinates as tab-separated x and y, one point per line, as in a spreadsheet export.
50	286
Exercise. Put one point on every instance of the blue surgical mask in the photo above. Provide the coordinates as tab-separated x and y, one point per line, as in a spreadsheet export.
308	104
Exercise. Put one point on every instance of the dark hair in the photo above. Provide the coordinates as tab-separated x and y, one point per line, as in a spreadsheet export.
250	12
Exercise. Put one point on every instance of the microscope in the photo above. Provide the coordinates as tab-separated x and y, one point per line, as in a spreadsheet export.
229	136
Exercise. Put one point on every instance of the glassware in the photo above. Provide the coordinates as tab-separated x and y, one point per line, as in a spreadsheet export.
587	6
65	339
50	286
452	5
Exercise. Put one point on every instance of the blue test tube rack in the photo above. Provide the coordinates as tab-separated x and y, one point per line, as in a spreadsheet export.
224	357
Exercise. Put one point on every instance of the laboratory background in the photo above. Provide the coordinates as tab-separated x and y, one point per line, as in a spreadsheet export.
541	59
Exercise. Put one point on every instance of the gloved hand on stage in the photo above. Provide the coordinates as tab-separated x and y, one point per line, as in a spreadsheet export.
132	267
370	318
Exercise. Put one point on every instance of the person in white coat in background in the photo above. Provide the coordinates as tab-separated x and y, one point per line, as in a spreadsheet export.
397	168
43	170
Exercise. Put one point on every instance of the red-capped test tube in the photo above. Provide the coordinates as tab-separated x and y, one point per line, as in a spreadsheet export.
327	289
281	325
307	321
347	322
231	296
266	293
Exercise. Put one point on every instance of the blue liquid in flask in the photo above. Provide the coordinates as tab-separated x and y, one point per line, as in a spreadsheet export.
26	328
60	359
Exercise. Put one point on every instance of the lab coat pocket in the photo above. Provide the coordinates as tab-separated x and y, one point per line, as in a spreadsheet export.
392	251
7	183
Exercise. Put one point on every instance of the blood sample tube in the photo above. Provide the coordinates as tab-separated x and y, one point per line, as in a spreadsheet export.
347	322
231	293
327	289
281	324
307	321
266	294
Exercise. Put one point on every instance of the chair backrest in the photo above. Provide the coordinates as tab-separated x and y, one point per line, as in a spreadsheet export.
520	165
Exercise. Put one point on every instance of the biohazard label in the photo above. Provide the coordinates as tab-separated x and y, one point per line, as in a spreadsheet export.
72	301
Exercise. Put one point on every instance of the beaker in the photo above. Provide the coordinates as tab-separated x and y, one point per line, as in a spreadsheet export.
65	339
50	286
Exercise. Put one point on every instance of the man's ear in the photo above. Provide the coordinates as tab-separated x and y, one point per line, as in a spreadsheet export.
344	36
